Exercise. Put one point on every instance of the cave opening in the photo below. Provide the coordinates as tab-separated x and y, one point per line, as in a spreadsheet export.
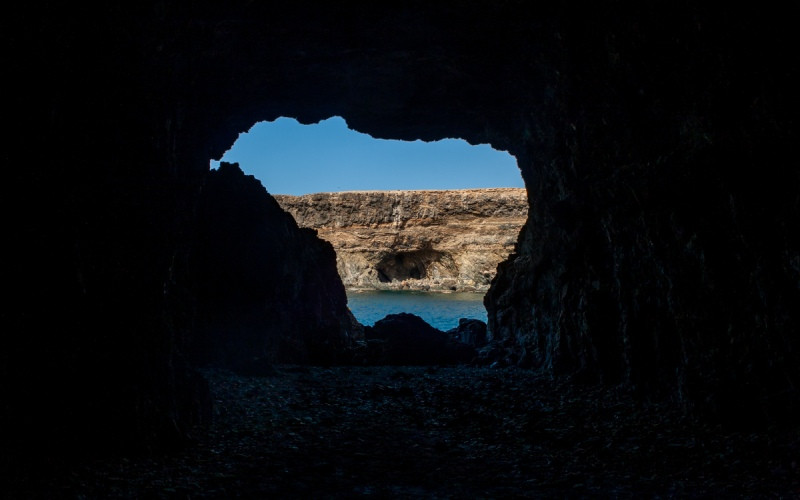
426	216
414	265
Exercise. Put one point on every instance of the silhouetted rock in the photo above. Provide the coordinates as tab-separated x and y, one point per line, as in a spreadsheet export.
267	290
470	331
406	339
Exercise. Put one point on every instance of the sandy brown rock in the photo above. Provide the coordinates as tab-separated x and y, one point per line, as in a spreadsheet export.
431	240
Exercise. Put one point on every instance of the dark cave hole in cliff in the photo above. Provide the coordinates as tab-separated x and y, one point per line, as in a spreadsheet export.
398	267
414	265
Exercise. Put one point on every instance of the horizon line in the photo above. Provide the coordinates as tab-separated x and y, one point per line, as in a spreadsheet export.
400	190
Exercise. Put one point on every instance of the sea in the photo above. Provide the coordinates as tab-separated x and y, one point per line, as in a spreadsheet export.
441	310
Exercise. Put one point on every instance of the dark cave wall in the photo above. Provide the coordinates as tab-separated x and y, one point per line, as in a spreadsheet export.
267	291
97	205
657	144
662	245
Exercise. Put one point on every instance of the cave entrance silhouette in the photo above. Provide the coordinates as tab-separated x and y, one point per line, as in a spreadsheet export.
390	241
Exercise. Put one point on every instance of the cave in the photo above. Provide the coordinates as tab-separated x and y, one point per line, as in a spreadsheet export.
413	265
657	143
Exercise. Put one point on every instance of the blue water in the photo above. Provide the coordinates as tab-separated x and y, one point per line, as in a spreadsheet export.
441	310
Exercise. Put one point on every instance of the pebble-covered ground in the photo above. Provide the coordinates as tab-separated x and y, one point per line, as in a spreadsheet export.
454	432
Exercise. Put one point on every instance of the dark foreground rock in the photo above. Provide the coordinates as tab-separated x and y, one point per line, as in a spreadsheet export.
406	339
417	432
471	332
267	291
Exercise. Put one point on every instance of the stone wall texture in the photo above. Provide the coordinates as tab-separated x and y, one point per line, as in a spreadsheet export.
436	240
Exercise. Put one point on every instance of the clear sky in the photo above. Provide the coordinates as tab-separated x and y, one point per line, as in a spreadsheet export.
290	158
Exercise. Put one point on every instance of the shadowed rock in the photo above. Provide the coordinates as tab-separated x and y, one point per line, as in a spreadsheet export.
267	290
406	339
471	332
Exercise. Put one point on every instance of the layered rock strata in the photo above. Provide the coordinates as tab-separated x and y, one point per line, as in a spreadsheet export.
439	240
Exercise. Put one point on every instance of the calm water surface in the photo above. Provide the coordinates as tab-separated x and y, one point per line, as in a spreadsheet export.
441	310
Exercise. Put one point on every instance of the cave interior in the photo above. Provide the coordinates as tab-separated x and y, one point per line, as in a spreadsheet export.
657	142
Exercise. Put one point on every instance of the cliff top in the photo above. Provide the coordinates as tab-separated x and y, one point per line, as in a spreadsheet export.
349	208
408	191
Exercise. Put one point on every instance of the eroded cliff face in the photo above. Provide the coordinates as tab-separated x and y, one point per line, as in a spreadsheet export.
419	240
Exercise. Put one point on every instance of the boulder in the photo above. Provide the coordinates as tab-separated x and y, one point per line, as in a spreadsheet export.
471	332
406	339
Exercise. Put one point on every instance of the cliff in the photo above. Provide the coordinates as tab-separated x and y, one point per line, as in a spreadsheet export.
441	240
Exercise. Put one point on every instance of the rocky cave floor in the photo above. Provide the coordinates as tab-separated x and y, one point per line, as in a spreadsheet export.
439	432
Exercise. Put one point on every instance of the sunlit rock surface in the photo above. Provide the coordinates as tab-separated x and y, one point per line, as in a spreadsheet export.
449	240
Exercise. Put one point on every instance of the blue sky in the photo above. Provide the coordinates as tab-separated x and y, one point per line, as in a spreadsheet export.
290	158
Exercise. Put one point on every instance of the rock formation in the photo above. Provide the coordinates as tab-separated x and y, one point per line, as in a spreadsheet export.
267	291
406	339
657	140
421	240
